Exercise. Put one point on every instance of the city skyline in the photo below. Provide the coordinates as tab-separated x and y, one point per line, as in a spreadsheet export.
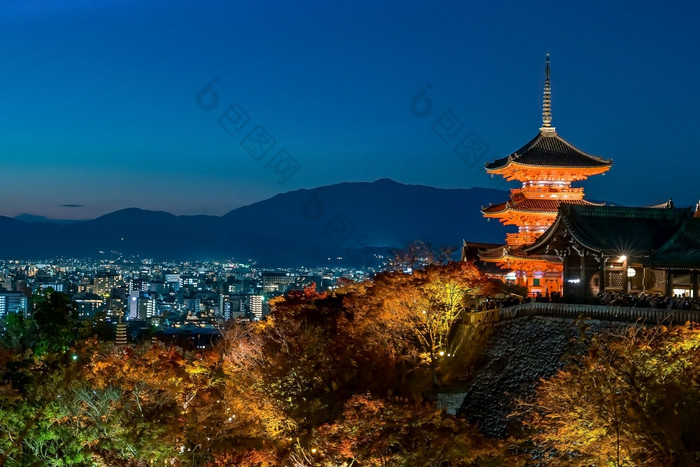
101	107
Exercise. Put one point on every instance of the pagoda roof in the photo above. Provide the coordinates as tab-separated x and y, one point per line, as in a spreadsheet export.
653	236
548	149
545	205
471	251
506	252
495	254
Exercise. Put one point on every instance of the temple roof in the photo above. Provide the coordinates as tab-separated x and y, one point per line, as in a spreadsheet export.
548	149
682	250
547	205
505	253
471	252
654	236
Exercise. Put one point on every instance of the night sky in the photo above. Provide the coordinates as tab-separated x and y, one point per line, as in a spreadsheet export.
100	109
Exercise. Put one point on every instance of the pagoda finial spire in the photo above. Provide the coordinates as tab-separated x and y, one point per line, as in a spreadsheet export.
547	101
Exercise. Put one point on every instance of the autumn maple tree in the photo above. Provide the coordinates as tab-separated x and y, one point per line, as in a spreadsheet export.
416	311
634	400
399	432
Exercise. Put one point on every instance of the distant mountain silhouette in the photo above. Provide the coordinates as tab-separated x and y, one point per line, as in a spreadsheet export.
306	226
35	218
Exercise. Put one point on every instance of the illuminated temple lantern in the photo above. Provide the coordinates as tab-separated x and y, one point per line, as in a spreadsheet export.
546	166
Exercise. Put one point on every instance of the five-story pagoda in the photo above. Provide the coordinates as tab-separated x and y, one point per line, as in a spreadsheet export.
546	166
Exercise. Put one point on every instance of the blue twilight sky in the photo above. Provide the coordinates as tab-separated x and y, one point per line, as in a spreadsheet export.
99	99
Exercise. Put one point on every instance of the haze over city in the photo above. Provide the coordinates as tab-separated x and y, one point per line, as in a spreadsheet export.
99	101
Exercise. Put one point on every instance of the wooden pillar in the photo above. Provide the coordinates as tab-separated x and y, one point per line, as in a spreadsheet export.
669	283
625	279
601	272
696	281
582	275
565	286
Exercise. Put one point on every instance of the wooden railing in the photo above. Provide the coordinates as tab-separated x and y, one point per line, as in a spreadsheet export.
603	312
572	193
516	239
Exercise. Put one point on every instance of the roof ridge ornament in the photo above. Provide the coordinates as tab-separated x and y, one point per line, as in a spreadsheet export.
547	127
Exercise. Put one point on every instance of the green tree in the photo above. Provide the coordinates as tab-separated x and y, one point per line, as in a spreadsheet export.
20	333
56	319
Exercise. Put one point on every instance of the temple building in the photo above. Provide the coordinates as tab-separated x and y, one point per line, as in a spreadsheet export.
546	166
653	250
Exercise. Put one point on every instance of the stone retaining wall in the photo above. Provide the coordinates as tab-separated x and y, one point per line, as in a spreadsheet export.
520	352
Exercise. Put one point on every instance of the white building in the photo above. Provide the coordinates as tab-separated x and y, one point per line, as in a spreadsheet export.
12	302
255	306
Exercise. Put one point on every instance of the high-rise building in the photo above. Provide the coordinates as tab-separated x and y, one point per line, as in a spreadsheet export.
88	304
146	306
105	282
133	306
156	287
173	280
234	285
191	282
13	302
276	281
139	285
233	306
255	306
56	286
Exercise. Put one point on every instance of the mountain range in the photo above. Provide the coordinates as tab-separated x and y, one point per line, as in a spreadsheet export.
304	227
